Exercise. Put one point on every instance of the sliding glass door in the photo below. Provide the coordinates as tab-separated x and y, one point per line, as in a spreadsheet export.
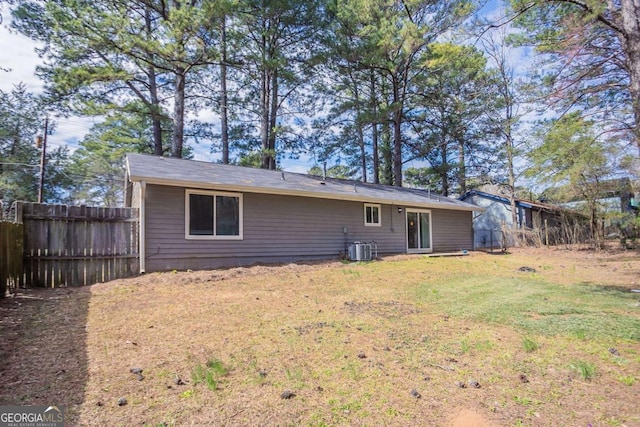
418	231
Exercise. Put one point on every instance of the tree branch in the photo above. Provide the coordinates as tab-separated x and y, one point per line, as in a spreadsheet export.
599	17
586	8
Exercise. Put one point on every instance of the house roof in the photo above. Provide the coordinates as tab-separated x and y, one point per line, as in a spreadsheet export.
206	175
619	187
524	203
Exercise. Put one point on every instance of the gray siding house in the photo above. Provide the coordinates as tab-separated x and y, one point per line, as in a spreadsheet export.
488	224
200	215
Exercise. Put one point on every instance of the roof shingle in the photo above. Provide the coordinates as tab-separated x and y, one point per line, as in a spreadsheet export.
205	175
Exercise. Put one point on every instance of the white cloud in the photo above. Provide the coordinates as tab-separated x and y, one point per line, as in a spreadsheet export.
17	53
70	131
299	165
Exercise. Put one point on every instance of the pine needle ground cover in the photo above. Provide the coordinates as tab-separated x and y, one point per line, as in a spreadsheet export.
408	340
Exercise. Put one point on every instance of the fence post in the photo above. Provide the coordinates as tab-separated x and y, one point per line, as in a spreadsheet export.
11	267
546	233
18	209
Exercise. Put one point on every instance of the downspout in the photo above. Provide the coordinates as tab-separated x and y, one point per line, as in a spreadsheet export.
142	236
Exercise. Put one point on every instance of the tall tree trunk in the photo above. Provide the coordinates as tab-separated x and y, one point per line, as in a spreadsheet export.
359	131
363	152
374	131
397	135
178	113
265	107
273	120
387	154
462	168
511	181
264	119
156	117
508	118
509	144
509	149
444	173
631	43
593	225
224	99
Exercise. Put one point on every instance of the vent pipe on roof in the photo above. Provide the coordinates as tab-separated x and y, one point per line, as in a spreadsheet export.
355	189
283	176
324	171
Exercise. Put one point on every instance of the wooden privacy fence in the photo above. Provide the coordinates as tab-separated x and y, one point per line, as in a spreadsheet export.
77	245
11	240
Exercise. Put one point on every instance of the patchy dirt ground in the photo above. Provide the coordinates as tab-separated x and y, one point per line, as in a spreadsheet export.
320	344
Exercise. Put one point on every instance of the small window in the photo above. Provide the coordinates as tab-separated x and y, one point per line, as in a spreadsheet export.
372	215
211	215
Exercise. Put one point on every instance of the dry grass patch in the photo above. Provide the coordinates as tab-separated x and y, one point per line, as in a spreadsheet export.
404	341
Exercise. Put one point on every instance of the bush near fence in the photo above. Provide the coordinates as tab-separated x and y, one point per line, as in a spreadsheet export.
568	236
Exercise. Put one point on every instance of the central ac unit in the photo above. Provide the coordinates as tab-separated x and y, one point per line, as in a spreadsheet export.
359	251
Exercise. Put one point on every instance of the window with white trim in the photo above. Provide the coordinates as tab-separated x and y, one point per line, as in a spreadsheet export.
213	215
372	217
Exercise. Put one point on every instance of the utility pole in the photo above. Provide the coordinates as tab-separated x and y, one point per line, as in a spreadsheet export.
43	160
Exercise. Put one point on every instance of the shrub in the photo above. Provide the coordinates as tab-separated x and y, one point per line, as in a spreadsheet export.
585	370
208	373
529	345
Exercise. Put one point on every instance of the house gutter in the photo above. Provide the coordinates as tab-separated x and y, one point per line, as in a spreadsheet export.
143	226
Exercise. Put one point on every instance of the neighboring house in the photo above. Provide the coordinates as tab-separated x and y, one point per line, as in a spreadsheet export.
614	196
199	215
487	225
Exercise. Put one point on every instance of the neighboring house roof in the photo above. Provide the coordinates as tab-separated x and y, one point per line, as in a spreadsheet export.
198	174
619	187
523	203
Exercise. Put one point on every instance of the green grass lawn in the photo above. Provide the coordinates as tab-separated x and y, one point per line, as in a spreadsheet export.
409	340
532	304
